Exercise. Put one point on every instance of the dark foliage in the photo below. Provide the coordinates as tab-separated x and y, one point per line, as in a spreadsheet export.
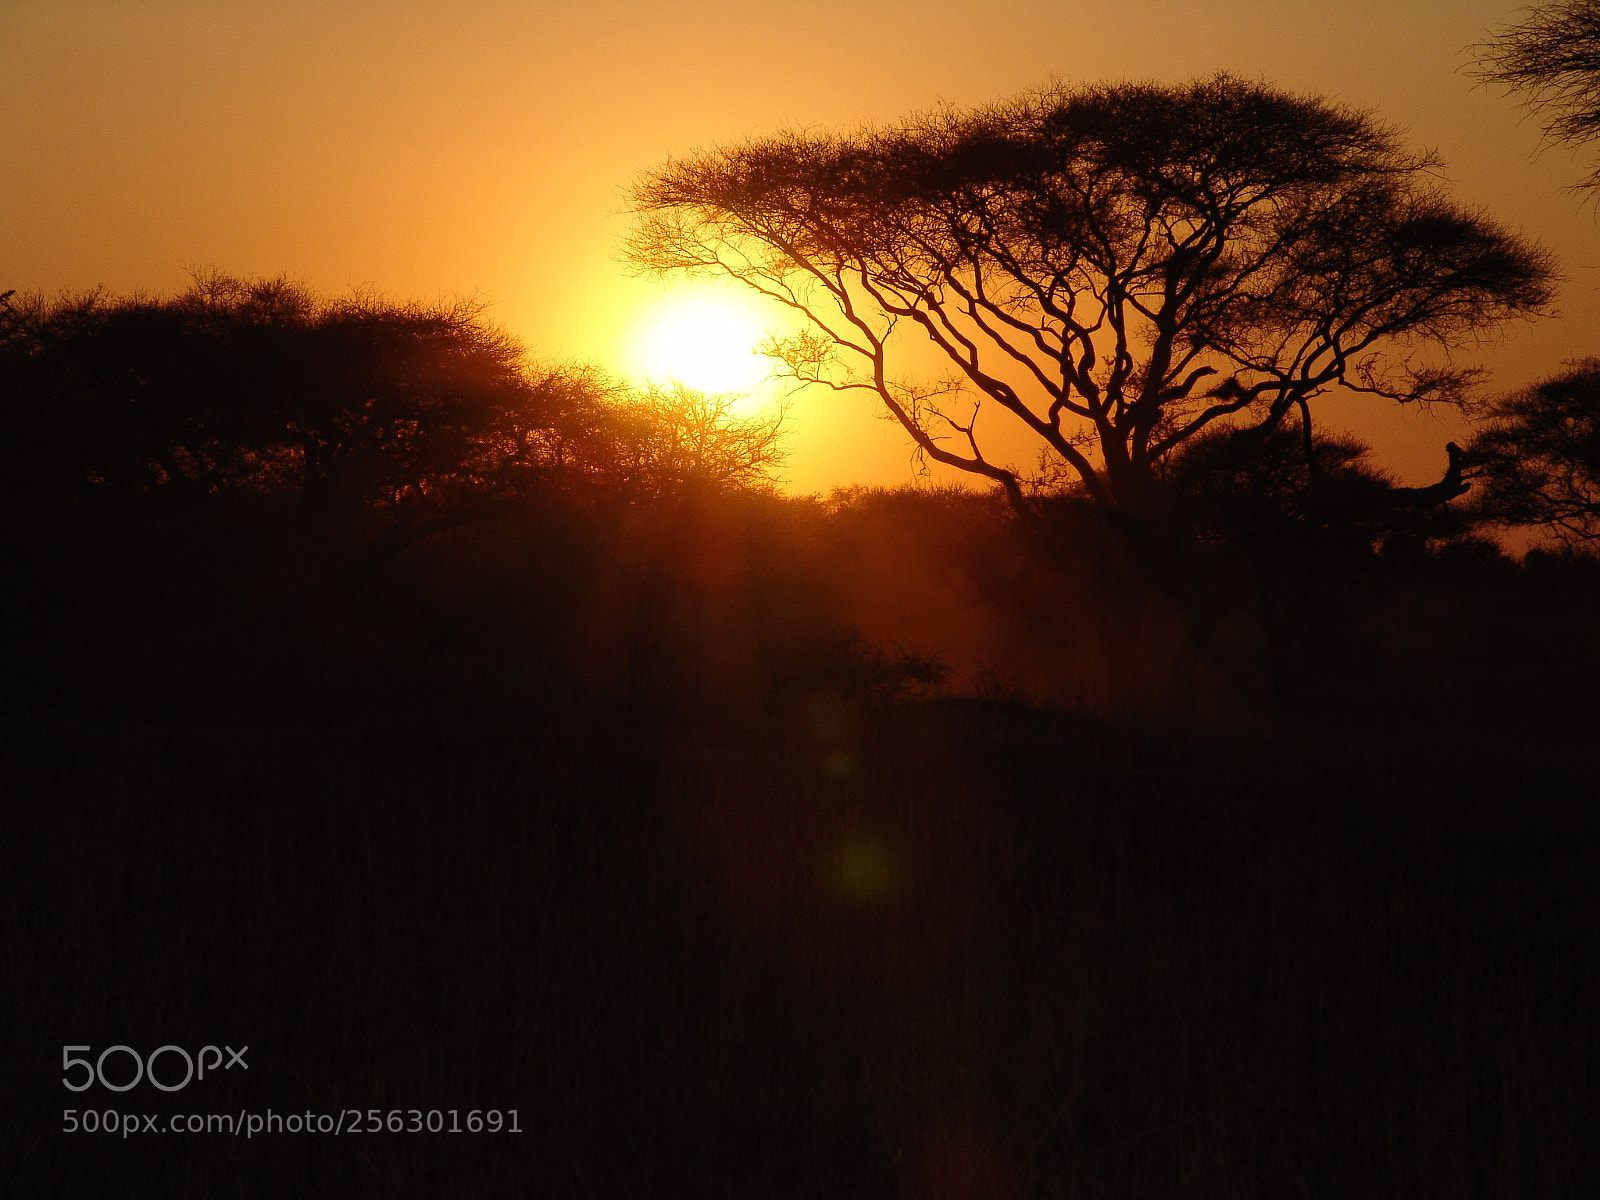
1537	456
347	410
259	388
1266	500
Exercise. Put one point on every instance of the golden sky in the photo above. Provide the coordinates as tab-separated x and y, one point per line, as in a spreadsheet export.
484	146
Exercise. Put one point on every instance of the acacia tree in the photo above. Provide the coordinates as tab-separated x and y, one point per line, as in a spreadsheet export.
1553	59
260	386
343	407
1538	456
1116	268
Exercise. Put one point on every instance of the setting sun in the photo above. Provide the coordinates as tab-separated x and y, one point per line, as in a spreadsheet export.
703	338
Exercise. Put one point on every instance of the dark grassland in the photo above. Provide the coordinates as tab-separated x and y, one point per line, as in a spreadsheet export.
600	812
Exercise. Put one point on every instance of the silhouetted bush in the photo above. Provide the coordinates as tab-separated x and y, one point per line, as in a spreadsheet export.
1266	497
345	410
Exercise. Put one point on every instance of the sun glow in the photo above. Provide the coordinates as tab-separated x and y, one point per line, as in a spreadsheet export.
705	339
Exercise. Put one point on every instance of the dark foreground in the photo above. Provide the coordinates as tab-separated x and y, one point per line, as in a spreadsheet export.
828	935
995	952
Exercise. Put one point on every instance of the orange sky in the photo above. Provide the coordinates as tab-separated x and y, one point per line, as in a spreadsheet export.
484	146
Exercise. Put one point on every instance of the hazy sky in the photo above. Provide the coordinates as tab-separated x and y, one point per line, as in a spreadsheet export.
484	146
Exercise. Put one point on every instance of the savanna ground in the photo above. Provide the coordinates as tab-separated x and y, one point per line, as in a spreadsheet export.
757	847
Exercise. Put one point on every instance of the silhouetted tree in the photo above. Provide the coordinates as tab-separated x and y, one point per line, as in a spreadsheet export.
344	408
258	386
1117	267
1537	458
1553	59
671	439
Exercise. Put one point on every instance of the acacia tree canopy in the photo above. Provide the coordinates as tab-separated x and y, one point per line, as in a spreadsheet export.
259	387
1537	456
1117	267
